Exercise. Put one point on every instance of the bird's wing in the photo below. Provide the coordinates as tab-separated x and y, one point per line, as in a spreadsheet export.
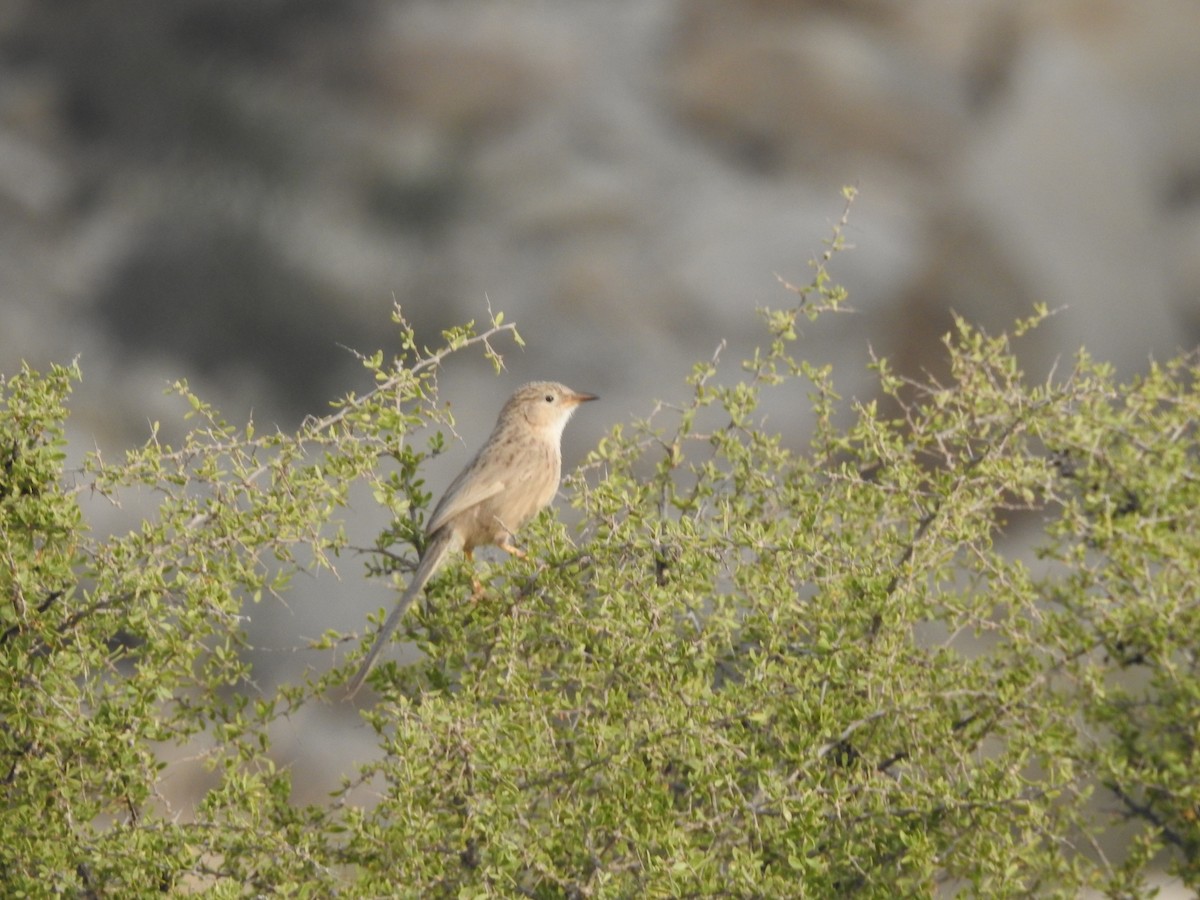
461	497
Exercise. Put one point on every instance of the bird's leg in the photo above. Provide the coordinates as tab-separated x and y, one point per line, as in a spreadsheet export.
505	540
505	543
508	547
476	584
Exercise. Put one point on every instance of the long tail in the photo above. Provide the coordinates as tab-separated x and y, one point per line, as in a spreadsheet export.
436	552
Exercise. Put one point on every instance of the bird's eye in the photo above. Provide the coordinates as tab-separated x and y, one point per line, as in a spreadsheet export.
549	398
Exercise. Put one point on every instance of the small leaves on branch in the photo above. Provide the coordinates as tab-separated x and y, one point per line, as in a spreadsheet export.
948	640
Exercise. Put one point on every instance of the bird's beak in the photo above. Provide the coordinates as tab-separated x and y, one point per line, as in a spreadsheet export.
576	399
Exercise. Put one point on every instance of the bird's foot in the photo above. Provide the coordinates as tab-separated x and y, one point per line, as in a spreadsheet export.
512	549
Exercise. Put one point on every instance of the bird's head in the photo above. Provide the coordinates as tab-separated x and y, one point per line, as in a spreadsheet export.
545	405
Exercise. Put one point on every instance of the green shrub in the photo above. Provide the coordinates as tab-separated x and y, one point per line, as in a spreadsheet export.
951	645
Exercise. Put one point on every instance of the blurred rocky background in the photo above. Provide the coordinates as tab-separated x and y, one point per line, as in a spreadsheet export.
227	191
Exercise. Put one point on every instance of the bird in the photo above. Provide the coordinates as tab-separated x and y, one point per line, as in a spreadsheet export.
512	478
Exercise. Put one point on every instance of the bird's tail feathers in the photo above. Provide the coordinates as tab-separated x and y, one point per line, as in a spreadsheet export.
442	545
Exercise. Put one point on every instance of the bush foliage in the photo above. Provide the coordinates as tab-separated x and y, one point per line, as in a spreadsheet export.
950	645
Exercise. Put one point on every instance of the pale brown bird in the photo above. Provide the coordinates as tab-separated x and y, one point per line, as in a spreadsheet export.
512	478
